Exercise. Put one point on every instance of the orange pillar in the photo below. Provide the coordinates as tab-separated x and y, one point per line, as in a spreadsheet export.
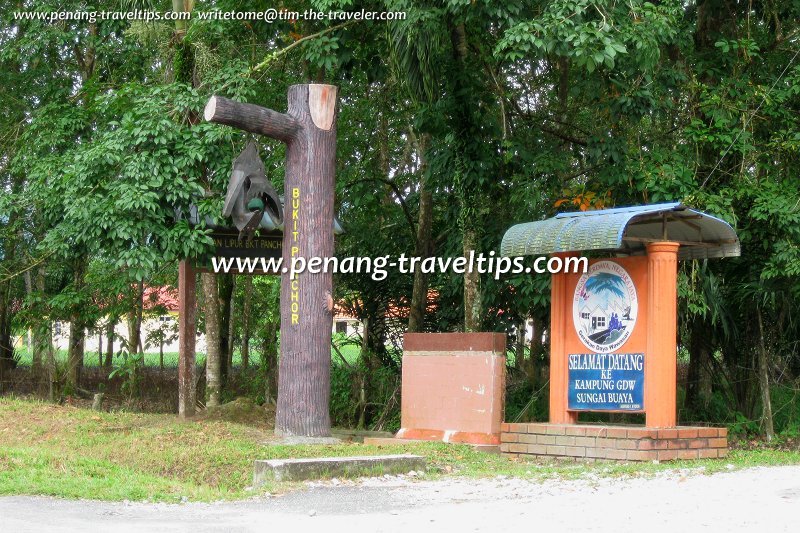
660	379
560	315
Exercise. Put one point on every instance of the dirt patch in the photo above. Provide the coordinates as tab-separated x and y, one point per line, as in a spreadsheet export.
242	411
784	443
157	391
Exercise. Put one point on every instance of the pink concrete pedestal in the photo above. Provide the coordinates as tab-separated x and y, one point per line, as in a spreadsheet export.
453	385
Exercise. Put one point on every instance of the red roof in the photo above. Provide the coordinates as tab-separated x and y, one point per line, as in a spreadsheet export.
165	296
344	310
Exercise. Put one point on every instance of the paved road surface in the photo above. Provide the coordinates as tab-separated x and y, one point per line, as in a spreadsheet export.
754	500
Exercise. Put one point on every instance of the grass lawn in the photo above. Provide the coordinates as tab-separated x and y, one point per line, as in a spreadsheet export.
77	453
90	359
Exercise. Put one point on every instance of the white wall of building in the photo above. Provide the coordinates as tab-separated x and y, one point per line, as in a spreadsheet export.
168	322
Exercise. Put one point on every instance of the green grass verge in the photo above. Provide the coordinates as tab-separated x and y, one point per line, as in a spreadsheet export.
76	453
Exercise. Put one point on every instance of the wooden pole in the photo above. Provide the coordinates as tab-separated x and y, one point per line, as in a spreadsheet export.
309	131
187	331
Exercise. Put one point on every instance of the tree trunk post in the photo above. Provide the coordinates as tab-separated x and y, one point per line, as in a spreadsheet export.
472	284
213	350
269	361
75	353
763	381
135	320
231	326
110	326
248	295
519	351
187	331
424	245
225	296
309	131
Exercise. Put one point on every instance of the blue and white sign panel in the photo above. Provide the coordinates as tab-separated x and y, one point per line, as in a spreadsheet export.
606	382
605	307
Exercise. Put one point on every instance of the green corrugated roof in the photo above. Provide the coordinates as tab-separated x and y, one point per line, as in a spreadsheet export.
625	230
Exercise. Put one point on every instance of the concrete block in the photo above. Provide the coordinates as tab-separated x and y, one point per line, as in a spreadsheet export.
326	467
453	383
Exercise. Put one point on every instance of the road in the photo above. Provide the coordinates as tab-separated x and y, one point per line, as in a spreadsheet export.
761	499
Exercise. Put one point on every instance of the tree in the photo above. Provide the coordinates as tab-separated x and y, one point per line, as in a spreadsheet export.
213	350
461	120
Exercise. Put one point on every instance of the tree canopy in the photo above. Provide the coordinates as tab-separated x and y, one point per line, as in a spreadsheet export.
455	123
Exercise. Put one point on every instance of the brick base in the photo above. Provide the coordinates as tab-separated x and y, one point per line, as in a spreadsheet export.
613	442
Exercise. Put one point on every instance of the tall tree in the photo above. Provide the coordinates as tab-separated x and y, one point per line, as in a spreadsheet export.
213	349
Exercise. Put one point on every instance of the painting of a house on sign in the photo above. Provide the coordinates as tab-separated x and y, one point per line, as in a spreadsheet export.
606	305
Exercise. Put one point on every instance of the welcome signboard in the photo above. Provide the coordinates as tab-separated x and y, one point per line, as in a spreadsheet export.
606	382
613	331
605	344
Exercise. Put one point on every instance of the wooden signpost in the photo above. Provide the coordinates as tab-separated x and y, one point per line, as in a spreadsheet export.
254	255
308	129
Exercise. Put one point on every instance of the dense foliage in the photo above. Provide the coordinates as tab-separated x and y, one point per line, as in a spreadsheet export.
455	123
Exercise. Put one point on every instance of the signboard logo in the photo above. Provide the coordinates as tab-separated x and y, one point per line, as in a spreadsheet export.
604	307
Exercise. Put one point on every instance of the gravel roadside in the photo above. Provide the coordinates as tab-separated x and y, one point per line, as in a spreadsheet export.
749	500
